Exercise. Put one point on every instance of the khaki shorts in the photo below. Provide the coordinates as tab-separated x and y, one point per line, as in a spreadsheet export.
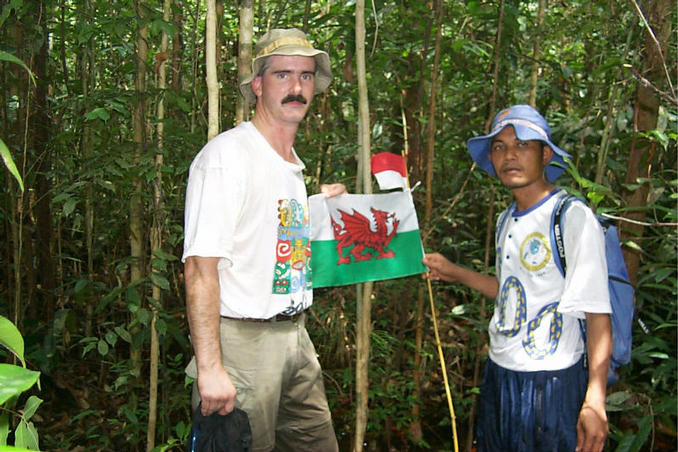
277	376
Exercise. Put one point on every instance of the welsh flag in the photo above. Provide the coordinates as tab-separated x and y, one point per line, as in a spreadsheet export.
389	169
359	238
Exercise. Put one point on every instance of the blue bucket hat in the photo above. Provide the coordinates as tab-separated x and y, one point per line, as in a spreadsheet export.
528	125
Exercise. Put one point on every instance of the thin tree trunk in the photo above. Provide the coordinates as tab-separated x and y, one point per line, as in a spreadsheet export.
136	206
195	82
601	165
21	90
177	48
413	102
211	70
156	232
86	69
41	131
244	55
363	318
536	54
497	63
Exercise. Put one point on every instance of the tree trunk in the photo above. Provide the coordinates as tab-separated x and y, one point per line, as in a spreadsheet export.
156	232
177	48
40	132
645	119
194	65
363	318
136	206
244	56
536	54
86	151
211	70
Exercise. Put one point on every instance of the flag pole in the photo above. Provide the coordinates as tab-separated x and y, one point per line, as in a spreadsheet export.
441	356
448	394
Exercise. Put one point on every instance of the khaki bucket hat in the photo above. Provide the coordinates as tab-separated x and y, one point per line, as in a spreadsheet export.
287	42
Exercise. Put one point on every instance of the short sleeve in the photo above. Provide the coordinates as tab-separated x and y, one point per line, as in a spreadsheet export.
214	200
586	285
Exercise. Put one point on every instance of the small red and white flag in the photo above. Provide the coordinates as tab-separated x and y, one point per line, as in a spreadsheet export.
390	170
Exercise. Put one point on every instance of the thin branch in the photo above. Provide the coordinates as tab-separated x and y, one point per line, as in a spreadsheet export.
659	47
649	85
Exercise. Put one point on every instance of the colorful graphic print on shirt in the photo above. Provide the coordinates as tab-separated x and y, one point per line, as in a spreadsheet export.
535	253
292	271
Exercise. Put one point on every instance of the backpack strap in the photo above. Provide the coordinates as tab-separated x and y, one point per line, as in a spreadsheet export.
557	231
557	234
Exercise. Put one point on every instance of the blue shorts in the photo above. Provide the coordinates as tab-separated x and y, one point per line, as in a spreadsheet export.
530	411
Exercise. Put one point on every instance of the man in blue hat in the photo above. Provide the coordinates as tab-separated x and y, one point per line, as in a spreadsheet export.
545	384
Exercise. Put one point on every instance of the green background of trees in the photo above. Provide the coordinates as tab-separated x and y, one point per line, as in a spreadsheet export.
90	262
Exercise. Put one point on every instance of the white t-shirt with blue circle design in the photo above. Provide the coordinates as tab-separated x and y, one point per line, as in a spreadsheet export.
535	324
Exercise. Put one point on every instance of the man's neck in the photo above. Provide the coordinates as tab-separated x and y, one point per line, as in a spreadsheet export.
279	136
528	196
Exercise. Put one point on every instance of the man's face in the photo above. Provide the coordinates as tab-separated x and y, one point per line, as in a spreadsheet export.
518	163
285	90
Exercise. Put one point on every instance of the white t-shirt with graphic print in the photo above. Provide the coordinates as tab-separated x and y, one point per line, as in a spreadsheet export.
248	206
535	323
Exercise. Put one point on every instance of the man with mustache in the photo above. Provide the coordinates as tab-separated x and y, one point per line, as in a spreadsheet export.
545	384
247	258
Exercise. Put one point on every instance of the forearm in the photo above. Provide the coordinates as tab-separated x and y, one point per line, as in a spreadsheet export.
486	285
441	268
599	349
202	308
592	428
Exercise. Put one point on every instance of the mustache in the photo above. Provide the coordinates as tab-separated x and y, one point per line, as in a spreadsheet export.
294	98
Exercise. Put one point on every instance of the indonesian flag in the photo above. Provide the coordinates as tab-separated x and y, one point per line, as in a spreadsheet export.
389	169
359	238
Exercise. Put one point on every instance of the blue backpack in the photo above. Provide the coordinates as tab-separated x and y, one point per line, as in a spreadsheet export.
620	288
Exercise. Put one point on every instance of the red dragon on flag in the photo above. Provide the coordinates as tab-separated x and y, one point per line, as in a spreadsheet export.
357	232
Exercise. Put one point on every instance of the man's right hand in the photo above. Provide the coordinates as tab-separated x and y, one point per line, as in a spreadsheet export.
439	267
216	391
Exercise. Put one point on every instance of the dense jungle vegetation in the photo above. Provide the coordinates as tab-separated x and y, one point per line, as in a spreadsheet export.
104	105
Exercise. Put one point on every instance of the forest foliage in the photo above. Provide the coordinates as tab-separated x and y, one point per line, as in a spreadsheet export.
91	204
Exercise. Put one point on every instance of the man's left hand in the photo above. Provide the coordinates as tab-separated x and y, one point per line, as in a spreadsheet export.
592	429
330	190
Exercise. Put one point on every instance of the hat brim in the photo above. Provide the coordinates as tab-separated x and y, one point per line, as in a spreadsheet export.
479	148
323	76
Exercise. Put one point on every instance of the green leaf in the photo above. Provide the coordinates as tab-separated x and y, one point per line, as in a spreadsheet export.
161	327
159	264
159	280
102	347
643	433
15	380
111	338
123	333
4	428
11	338
144	316
132	296
31	407
80	285
26	436
98	113
9	162
69	206
12	59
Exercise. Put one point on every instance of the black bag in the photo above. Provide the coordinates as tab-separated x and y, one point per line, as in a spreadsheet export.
217	433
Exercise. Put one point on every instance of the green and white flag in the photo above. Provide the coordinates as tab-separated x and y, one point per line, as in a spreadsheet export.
359	238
